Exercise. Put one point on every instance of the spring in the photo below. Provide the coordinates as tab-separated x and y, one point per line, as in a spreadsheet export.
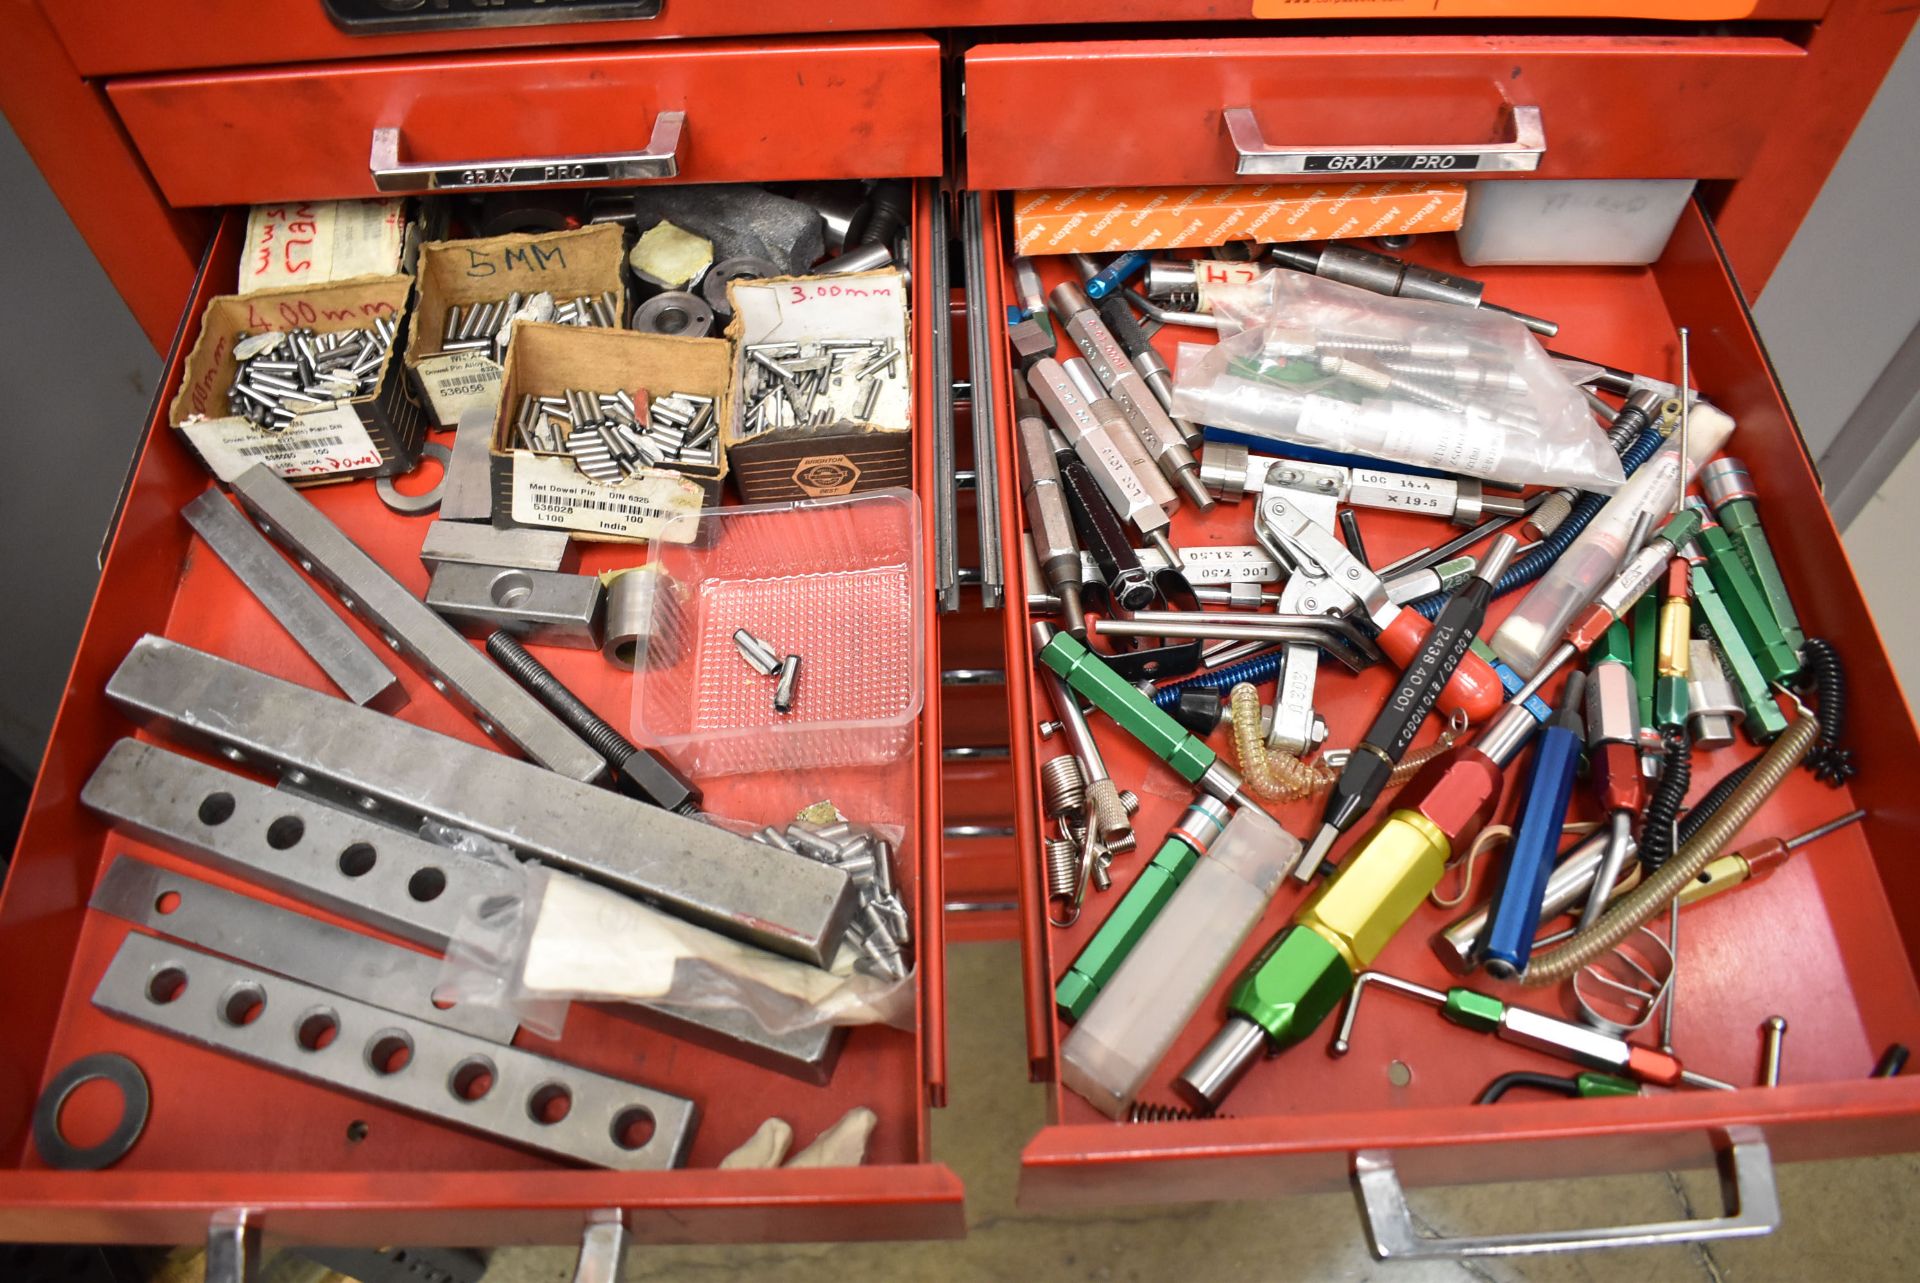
1548	550
1823	673
1063	868
1063	788
1141	1111
1657	826
1129	801
1715	798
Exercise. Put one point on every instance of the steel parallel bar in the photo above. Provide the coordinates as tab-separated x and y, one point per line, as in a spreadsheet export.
295	604
503	1092
757	893
293	945
352	865
497	702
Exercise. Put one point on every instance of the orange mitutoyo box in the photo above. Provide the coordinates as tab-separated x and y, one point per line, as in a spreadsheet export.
1097	220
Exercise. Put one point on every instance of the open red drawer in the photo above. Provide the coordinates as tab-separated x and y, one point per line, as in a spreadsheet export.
760	112
1831	941
226	1134
1153	111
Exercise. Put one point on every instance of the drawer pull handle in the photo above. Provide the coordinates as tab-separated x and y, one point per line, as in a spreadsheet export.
1746	1174
233	1247
1528	145
661	159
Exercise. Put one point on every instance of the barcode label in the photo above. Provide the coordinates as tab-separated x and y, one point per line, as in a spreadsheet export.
313	445
550	491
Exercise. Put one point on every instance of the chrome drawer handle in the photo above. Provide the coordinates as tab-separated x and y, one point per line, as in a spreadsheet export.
1529	144
661	159
1746	1174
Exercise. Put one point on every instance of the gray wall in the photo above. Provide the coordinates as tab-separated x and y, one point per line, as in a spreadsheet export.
1847	293
76	379
78	375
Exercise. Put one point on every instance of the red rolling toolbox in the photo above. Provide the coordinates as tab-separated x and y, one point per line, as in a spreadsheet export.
151	125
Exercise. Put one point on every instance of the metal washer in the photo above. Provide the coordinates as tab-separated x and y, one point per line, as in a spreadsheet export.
674	312
417	505
136	1099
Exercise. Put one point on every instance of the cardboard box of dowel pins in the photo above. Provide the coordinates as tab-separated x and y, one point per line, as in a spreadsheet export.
584	261
542	488
375	435
836	417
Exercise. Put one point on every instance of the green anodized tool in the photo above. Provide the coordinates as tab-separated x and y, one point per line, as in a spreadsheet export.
1764	720
1135	714
1730	490
1186	843
1646	639
1747	605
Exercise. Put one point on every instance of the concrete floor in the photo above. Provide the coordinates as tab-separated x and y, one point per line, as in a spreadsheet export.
1842	1220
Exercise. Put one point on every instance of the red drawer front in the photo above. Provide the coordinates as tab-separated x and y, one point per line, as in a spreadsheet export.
1830	941
1149	112
115	37
787	109
224	1133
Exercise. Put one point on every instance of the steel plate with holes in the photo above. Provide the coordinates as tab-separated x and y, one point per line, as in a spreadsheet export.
503	1092
290	944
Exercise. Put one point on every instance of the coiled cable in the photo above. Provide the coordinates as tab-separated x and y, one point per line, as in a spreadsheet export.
1658	825
1822	673
1638	906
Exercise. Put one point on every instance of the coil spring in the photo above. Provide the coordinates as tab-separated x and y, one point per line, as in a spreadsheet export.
1063	788
1063	867
1129	801
1141	1111
1822	672
1657	828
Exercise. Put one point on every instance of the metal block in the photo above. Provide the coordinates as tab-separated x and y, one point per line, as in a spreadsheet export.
289	944
370	873
348	864
466	492
487	546
541	607
502	1092
295	604
740	888
458	671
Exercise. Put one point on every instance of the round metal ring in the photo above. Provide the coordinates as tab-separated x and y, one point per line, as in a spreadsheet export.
675	312
714	286
416	505
108	1066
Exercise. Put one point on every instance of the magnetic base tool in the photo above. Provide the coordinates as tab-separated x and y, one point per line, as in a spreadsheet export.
135	1100
674	312
511	1095
417	505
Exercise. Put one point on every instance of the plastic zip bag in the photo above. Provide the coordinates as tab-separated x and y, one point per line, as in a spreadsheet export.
1322	364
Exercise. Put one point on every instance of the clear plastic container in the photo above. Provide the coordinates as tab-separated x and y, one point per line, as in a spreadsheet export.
1595	221
1125	1034
839	582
